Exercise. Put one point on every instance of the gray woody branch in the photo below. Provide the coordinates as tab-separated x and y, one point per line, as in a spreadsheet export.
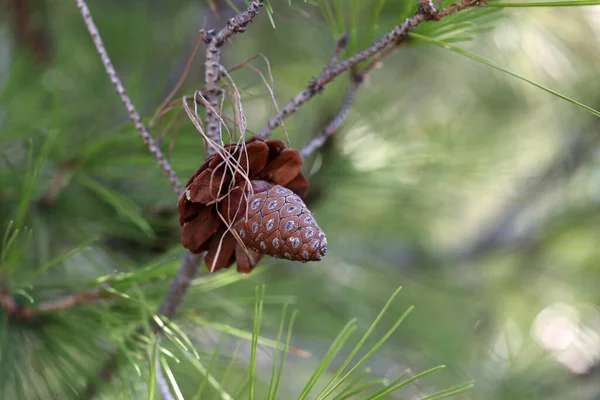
133	114
356	80
214	41
426	12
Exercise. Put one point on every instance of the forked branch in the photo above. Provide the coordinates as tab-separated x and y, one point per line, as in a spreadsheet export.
357	78
333	125
392	39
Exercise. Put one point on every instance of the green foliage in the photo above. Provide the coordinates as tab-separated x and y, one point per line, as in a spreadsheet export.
492	64
432	147
336	385
568	3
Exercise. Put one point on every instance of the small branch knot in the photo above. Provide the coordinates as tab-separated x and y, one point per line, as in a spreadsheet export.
428	9
315	87
207	36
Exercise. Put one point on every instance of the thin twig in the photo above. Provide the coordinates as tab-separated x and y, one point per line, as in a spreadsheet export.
180	285
339	50
357	79
398	34
333	125
189	264
15	309
319	140
238	23
428	7
133	114
212	65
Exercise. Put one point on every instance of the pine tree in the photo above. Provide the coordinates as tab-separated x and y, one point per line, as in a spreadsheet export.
99	299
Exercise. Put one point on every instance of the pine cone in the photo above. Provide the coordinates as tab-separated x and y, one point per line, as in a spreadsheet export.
247	202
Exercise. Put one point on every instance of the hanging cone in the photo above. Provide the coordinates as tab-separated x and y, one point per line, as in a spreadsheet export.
247	202
280	225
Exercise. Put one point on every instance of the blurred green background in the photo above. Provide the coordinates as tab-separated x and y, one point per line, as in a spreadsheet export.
476	192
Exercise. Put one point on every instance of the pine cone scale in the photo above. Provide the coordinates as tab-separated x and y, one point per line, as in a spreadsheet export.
294	237
199	230
206	187
222	248
255	158
283	169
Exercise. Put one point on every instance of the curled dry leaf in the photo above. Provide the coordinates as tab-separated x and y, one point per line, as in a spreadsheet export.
247	201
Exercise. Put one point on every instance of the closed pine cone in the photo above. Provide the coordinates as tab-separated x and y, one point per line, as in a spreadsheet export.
256	189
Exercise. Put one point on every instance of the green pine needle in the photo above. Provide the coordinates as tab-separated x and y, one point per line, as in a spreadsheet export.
284	353
569	3
85	246
212	381
32	176
170	334
232	5
271	395
360	389
176	333
212	282
353	383
258	309
210	366
240	333
153	365
387	384
453	391
169	373
125	207
331	387
392	387
335	347
500	68
229	367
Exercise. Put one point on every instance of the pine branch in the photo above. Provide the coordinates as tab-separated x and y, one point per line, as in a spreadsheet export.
357	79
392	39
15	309
339	50
212	65
133	114
190	262
189	265
180	285
333	125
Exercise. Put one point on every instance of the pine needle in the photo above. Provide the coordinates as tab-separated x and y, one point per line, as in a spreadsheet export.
569	3
492	64
258	309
